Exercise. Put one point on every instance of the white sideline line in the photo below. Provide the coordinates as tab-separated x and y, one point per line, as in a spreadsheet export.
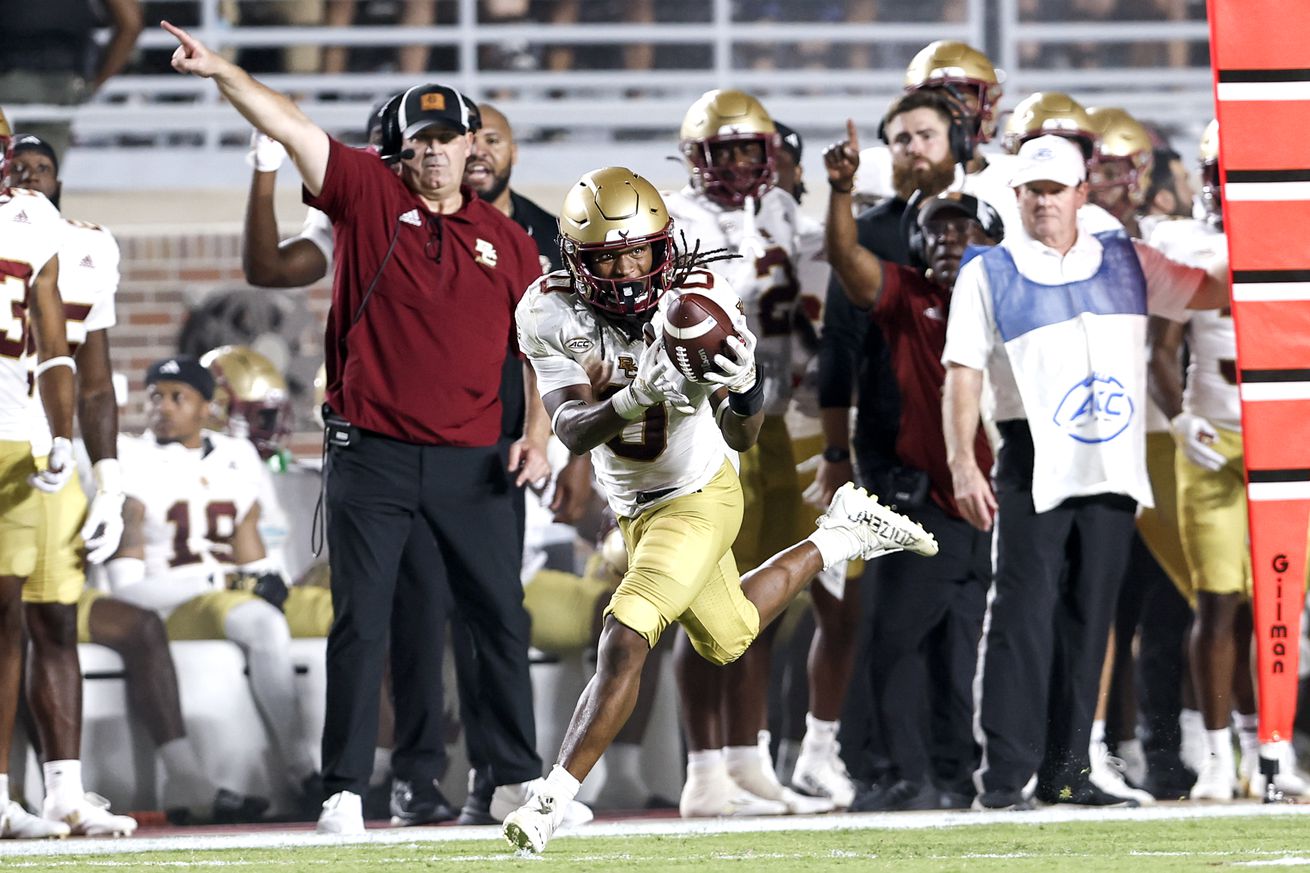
413	837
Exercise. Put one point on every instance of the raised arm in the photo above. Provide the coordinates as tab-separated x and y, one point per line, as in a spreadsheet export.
273	113
266	261
857	268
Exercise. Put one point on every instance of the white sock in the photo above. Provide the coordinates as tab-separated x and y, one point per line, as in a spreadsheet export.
1219	742
4	790
185	774
623	762
835	544
381	767
1098	731
1248	733
261	631
819	733
562	784
705	762
1130	749
741	756
63	781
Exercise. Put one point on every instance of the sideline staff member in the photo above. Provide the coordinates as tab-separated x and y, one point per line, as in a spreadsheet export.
427	278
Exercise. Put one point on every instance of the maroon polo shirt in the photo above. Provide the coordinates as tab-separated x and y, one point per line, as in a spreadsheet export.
423	361
912	314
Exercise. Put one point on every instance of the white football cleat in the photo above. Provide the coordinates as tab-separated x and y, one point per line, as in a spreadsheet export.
756	776
1290	780
342	815
531	826
1107	775
506	799
17	823
89	816
717	795
1216	779
820	772
877	529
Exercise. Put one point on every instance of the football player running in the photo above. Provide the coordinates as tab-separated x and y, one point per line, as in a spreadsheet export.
191	548
732	202
660	446
30	238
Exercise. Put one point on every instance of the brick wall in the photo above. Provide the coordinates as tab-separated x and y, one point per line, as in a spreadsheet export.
164	275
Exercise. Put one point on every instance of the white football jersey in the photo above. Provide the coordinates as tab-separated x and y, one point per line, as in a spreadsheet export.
88	281
764	277
194	499
31	231
662	455
813	271
1211	390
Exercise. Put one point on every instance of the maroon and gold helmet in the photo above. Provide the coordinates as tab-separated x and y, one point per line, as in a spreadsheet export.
966	75
251	400
1051	112
606	211
1124	153
720	118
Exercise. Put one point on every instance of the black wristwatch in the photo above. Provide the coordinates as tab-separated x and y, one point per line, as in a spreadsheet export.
835	455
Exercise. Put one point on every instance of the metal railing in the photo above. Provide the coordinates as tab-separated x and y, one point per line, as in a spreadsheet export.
184	119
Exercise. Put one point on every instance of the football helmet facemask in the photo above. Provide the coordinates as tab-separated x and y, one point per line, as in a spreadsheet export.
964	74
606	211
720	119
1049	112
251	400
1211	182
1123	155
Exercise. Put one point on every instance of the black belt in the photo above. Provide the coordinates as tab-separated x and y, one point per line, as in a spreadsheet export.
652	496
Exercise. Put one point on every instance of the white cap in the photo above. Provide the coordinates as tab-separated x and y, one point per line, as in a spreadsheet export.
1050	158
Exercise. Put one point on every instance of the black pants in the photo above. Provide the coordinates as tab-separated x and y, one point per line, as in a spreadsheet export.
1055	586
927	618
1165	626
376	489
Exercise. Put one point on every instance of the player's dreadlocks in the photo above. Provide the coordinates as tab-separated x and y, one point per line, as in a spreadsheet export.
691	258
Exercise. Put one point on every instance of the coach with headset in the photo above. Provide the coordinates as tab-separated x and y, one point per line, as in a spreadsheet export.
427	279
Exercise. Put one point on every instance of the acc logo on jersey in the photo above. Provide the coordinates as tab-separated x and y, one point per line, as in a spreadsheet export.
1095	410
578	345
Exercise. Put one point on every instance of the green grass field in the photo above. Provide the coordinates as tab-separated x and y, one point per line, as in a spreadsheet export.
1122	844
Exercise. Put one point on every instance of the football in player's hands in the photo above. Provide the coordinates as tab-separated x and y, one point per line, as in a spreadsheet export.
696	328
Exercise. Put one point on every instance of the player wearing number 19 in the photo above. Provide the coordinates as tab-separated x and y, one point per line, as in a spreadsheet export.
659	445
191	548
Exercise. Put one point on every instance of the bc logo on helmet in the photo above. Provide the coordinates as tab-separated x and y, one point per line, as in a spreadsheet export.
1095	410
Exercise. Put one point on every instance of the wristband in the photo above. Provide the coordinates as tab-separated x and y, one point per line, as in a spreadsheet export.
749	402
836	454
108	476
626	405
51	363
848	189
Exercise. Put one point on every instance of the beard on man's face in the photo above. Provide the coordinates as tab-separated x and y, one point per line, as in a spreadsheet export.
495	183
931	180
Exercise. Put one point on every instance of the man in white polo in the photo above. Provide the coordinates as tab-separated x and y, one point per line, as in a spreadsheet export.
1056	317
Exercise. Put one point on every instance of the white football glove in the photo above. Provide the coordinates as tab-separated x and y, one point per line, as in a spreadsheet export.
738	375
1195	436
657	380
60	467
266	154
104	519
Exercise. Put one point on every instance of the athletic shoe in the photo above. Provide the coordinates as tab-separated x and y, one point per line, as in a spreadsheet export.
89	816
901	795
508	798
17	823
755	774
875	529
228	808
416	803
477	805
343	815
715	794
531	826
820	772
1083	793
1216	780
1133	756
1002	801
1289	780
1107	775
